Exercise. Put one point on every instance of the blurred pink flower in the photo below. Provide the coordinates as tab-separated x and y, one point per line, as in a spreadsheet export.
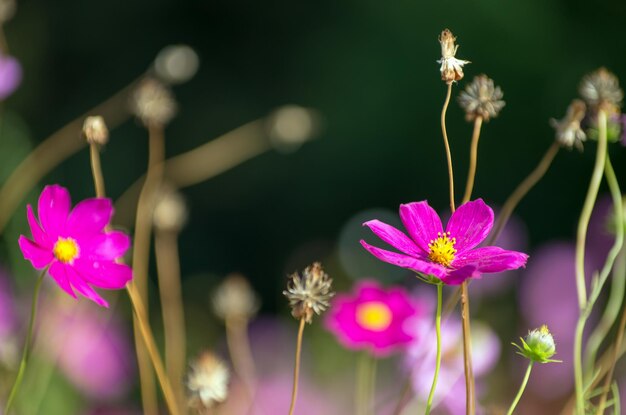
10	75
75	245
450	256
372	318
92	350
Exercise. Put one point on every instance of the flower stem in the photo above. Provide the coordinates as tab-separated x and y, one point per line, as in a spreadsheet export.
581	235
296	369
150	345
521	388
471	174
365	382
467	350
431	395
447	145
240	352
26	351
168	267
96	170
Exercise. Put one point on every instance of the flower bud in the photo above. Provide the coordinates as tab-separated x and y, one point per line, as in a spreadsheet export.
176	64
538	346
170	211
234	298
451	68
153	103
95	130
290	126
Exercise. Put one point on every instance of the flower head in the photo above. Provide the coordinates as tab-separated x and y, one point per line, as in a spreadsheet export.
95	130
481	98
234	298
372	318
309	293
538	346
74	245
449	256
601	88
207	382
153	103
170	212
568	130
451	67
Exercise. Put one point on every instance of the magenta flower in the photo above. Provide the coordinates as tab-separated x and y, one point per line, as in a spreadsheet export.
74	244
10	75
373	318
451	255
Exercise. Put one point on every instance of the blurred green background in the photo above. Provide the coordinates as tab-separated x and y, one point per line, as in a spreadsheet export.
368	66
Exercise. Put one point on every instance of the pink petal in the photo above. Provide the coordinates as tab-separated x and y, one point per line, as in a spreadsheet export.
104	274
458	276
491	259
84	288
108	246
470	224
394	237
90	216
54	206
58	271
37	255
422	223
39	235
406	261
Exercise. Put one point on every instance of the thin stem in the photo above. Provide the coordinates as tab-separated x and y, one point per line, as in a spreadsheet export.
521	190
471	174
296	369
362	395
26	351
148	339
447	145
581	235
96	170
371	393
141	256
431	395
467	350
521	388
240	352
168	267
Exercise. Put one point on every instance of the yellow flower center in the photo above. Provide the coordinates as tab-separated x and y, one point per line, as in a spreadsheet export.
65	250
373	315
442	249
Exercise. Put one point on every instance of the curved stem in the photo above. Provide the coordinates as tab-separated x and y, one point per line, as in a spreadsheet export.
581	235
431	395
26	351
471	174
96	170
521	388
447	145
296	369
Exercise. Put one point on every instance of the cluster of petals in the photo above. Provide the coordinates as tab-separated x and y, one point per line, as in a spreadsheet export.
74	244
468	226
373	318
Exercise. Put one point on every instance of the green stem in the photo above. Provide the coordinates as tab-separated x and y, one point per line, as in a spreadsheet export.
365	381
26	351
521	388
431	395
581	235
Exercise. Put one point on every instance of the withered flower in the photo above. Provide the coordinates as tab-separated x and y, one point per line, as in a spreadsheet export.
207	382
601	89
309	293
153	103
95	130
234	298
481	98
568	131
451	67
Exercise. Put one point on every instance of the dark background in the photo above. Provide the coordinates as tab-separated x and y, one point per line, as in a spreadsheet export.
368	66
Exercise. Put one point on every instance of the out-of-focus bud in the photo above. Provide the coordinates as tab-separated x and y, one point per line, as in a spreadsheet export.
309	293
207	382
568	130
153	103
95	130
291	126
234	298
601	90
170	212
481	98
538	346
451	68
176	64
7	10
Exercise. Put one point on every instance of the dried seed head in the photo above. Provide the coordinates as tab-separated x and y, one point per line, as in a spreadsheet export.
153	103
481	98
291	126
207	382
451	68
309	293
568	131
538	346
95	130
176	64
601	89
170	211
234	298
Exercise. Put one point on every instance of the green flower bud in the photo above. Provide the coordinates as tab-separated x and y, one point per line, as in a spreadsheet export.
538	346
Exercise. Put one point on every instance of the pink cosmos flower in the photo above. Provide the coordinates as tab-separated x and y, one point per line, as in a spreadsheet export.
450	255
74	244
373	318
